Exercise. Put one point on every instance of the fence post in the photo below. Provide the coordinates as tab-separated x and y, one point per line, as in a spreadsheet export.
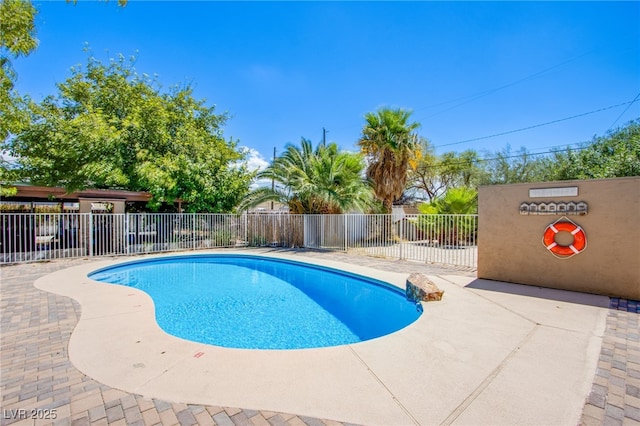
401	233
346	228
193	231
125	232
90	233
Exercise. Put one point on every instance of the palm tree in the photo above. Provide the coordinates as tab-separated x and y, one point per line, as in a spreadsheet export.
390	144
323	181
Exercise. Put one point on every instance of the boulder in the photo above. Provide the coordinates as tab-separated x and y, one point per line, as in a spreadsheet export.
421	288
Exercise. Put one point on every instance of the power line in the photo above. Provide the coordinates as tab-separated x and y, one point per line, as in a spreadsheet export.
472	98
505	157
535	154
540	124
625	110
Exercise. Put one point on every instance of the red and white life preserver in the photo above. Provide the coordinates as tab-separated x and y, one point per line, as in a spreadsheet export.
578	244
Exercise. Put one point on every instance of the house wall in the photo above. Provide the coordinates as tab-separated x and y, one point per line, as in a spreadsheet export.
510	246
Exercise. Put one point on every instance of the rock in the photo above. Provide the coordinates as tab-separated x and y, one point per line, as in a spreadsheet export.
421	288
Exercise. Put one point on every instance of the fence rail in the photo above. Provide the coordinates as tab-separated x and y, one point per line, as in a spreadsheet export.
444	239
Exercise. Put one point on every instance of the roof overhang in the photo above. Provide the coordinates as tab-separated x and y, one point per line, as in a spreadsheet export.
46	193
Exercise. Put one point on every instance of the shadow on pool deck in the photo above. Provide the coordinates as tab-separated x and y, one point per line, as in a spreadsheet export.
540	292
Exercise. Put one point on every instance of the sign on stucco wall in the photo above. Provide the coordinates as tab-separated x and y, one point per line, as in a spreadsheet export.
563	208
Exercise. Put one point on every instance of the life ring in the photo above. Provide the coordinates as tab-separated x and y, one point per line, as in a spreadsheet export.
578	244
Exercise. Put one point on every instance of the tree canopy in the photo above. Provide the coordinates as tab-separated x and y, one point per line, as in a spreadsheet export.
616	154
437	178
321	181
506	166
17	38
109	127
434	175
460	200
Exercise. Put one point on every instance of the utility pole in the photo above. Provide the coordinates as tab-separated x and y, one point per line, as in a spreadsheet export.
273	184
324	136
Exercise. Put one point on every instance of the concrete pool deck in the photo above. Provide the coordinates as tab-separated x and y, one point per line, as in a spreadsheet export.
488	353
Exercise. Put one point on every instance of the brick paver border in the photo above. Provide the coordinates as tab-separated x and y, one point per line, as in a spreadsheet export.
615	394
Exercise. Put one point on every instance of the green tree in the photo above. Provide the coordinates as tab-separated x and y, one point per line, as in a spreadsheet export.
435	175
617	154
443	220
390	145
505	167
17	38
109	127
321	181
460	200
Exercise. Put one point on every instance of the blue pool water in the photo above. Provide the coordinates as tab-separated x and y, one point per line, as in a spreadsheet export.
254	302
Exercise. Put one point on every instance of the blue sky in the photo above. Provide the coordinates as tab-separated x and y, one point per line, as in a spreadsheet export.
285	70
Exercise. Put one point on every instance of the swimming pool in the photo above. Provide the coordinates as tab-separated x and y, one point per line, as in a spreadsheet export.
256	302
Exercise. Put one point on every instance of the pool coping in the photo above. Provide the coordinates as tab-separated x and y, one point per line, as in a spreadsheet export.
523	358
